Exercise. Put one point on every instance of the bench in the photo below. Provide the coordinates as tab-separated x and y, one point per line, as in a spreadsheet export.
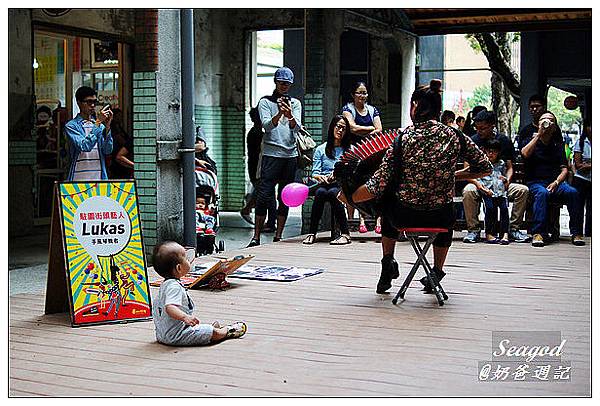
461	224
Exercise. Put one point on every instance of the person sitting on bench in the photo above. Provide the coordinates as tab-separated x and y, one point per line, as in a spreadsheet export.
324	159
545	174
417	175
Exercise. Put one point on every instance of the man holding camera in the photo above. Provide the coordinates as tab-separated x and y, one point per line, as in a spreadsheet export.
89	138
280	117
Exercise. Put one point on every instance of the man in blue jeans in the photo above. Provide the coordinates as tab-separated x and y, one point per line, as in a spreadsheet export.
280	118
545	174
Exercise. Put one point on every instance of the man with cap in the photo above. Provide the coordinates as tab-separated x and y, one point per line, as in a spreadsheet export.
485	124
280	117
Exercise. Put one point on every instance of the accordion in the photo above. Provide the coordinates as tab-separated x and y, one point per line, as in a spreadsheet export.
359	163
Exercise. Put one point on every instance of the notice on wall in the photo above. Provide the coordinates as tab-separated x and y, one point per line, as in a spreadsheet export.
106	279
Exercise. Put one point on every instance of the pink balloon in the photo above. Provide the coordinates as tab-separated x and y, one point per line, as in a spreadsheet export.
294	194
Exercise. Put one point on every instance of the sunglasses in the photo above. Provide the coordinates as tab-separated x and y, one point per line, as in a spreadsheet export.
340	127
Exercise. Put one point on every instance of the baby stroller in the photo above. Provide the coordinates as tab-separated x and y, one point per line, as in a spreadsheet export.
207	187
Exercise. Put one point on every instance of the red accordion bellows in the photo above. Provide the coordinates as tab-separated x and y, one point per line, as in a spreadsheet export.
359	163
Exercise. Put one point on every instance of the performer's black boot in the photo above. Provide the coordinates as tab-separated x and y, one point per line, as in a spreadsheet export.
389	271
439	274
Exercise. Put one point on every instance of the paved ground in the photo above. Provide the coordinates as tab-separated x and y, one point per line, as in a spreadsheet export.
28	256
327	335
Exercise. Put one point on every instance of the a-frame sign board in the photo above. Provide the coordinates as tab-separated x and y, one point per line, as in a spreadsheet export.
57	298
96	265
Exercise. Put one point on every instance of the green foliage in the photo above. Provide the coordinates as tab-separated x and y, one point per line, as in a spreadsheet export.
566	118
275	46
475	46
482	96
473	43
516	122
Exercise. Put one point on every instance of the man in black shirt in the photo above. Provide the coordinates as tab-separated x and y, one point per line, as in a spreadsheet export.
537	107
485	123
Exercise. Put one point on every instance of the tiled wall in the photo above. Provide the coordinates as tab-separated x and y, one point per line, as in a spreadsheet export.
21	152
144	149
225	131
313	121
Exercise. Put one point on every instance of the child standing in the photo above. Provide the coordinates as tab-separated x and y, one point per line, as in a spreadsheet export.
493	191
173	309
203	219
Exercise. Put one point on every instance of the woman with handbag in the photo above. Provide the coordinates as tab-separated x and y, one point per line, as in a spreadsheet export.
280	118
364	120
327	189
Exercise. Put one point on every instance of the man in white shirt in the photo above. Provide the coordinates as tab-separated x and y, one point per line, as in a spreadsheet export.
89	138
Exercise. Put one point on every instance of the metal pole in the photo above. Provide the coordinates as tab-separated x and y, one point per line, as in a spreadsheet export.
186	18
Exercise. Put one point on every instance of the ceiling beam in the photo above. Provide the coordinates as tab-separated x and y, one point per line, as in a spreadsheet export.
535	17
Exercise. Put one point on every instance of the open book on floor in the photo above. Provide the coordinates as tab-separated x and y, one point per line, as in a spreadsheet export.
201	274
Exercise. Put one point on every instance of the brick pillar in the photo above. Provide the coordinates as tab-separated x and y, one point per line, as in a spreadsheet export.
146	41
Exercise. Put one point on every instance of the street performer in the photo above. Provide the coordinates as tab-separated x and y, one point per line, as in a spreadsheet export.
417	174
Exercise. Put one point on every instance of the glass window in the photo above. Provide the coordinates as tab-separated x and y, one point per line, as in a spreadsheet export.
86	80
48	67
108	81
99	81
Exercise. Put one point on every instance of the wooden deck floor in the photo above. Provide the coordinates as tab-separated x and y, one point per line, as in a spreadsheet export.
327	335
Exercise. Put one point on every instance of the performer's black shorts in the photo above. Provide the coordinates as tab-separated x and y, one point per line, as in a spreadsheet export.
396	215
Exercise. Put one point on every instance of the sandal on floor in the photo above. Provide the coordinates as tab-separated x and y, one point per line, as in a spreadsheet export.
310	239
341	240
362	229
236	330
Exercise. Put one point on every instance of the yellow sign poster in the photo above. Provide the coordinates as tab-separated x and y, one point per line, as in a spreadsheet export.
104	255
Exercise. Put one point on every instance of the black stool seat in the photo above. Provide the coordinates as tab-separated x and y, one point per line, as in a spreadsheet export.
413	234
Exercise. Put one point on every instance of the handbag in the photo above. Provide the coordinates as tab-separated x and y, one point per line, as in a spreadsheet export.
306	145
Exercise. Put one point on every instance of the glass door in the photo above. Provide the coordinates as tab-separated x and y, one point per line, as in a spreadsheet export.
63	63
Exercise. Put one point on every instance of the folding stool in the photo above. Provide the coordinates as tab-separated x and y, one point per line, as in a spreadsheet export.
413	234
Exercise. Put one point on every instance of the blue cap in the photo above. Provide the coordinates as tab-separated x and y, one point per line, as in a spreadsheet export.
284	74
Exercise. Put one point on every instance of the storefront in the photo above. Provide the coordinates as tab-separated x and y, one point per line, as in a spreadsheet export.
61	64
